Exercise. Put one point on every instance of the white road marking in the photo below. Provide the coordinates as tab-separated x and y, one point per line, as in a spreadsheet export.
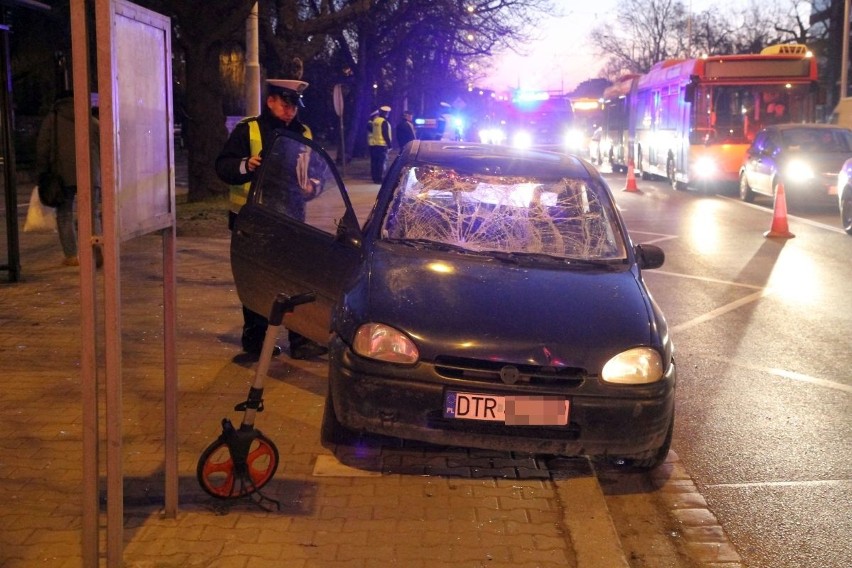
810	483
761	292
792	375
771	211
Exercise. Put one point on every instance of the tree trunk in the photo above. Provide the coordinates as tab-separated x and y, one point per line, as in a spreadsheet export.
207	131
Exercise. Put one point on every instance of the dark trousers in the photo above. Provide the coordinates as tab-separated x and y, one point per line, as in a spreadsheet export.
378	159
254	332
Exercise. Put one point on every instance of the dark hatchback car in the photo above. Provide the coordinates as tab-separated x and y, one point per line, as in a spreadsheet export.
806	158
844	196
491	299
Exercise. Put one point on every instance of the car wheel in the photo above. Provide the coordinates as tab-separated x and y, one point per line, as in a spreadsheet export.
332	432
846	211
746	194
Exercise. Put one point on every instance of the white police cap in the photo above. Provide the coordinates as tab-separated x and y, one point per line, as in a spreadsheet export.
288	89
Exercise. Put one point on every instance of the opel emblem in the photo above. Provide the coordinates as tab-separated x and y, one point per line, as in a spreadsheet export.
509	374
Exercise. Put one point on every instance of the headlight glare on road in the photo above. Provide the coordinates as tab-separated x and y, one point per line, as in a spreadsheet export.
637	366
384	343
798	171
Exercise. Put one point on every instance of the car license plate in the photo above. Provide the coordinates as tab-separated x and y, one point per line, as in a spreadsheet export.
512	410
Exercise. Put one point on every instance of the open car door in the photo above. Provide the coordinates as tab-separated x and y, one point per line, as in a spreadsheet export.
297	233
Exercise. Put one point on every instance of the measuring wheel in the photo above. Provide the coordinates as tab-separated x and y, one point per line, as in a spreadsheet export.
237	464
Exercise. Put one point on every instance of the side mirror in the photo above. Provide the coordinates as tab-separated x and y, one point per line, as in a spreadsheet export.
649	256
345	233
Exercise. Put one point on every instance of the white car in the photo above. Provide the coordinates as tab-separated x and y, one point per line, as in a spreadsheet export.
844	195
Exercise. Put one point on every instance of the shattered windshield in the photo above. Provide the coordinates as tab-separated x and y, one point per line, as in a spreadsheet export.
564	218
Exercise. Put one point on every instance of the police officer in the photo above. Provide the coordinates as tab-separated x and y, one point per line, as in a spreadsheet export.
237	164
380	141
405	131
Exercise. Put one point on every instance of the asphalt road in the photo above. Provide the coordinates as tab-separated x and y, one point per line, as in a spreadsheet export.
761	329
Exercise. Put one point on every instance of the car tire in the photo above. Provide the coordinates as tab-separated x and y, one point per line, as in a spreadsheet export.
846	211
332	432
746	193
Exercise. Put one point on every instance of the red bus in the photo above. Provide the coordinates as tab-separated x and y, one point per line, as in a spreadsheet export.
692	120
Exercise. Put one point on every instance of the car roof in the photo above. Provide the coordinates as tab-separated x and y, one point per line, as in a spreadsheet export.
809	126
502	160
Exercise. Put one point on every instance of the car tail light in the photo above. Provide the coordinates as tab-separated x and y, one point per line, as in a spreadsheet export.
384	343
637	366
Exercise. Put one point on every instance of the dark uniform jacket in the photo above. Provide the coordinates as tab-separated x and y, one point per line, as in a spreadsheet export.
238	145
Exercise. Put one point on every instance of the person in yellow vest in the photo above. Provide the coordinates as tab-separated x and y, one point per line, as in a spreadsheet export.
237	164
380	141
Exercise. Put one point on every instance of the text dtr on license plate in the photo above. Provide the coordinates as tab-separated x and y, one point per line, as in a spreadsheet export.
512	410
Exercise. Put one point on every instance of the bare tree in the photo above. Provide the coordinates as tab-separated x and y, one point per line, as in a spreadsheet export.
644	32
649	31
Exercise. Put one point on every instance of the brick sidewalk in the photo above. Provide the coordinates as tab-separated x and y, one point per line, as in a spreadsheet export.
382	505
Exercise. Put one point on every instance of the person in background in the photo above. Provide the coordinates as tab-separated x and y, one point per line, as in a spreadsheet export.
55	145
237	165
380	141
405	132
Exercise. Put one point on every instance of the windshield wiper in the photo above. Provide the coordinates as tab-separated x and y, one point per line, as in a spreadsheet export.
519	257
427	243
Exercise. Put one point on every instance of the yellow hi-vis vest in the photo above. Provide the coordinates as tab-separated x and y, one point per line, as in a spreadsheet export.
239	193
376	138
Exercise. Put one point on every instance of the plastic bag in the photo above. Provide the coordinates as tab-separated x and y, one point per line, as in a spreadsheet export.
40	217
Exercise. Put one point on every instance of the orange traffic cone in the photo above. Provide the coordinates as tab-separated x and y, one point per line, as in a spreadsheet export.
779	216
631	179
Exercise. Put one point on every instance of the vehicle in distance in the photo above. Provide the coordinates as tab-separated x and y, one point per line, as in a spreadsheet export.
492	299
806	158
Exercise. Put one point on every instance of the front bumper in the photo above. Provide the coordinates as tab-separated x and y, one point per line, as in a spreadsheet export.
605	420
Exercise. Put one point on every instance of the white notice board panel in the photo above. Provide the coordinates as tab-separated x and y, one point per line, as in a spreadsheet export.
145	188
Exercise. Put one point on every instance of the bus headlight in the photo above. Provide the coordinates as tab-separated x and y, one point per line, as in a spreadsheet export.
798	171
705	167
522	139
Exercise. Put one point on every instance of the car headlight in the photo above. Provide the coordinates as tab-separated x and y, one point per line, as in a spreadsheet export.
637	366
798	170
705	167
384	343
522	139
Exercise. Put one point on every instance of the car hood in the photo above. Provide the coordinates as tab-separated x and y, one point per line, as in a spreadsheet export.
463	305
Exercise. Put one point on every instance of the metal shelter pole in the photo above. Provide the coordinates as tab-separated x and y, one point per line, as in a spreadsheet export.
844	56
252	64
88	300
10	188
